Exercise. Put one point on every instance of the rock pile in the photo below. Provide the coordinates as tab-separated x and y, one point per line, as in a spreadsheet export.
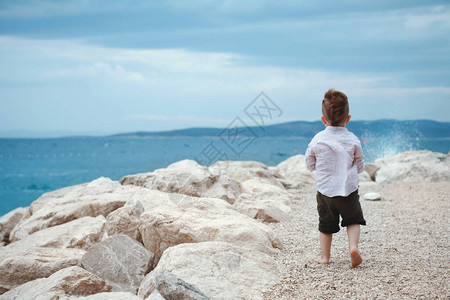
183	232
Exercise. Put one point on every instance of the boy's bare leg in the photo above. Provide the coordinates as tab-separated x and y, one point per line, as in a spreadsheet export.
325	248
353	232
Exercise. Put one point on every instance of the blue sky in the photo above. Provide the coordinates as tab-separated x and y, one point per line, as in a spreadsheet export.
117	66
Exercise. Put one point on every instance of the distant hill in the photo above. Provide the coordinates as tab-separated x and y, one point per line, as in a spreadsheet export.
411	128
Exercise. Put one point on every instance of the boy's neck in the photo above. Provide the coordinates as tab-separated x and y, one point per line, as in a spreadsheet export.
339	125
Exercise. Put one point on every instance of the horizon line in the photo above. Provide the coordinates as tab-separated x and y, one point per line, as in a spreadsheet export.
54	134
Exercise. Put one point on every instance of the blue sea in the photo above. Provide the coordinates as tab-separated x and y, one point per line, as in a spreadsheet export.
31	167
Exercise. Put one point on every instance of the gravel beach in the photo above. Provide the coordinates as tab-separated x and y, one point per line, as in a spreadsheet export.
405	247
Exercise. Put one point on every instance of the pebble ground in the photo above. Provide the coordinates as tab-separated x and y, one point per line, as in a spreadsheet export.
405	247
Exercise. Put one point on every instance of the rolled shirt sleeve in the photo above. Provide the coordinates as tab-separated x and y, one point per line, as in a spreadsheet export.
310	159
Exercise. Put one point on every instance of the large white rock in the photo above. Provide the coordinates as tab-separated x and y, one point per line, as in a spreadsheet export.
414	166
295	172
184	177
120	260
151	199
261	200
224	188
99	197
125	220
8	221
22	266
241	171
203	219
187	177
80	233
71	281
220	270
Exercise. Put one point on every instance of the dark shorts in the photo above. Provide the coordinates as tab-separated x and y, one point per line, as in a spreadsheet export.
330	208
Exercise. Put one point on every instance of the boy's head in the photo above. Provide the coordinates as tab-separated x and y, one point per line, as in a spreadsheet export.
335	108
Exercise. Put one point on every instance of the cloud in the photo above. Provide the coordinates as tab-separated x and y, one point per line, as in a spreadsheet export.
187	71
69	84
435	16
98	70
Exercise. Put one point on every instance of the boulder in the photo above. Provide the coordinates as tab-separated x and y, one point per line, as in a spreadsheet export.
224	188
187	177
8	221
294	171
241	171
80	233
119	260
171	287
414	166
99	197
125	220
261	200
183	177
20	267
71	281
203	219
150	199
220	270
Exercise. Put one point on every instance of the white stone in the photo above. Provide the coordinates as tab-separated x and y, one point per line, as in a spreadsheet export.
414	166
125	220
119	260
184	177
99	197
224	188
71	281
241	171
22	266
295	172
261	200
372	196
220	270
203	219
151	199
80	233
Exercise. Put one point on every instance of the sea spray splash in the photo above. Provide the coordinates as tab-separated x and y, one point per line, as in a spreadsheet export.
391	140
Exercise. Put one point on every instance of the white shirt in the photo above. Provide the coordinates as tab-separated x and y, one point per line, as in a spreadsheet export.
336	155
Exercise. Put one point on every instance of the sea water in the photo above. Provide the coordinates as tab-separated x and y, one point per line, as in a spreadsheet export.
31	167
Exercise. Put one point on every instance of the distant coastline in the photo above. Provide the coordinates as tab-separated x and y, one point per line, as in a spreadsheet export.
305	129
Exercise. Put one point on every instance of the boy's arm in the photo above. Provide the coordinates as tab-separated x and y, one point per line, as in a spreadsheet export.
359	157
310	159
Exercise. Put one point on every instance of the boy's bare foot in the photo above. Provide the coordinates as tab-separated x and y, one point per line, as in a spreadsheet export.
355	257
322	261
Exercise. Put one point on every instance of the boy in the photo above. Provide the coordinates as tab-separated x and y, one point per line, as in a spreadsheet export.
336	155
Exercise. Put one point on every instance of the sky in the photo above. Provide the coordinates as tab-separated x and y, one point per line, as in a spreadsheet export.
103	67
